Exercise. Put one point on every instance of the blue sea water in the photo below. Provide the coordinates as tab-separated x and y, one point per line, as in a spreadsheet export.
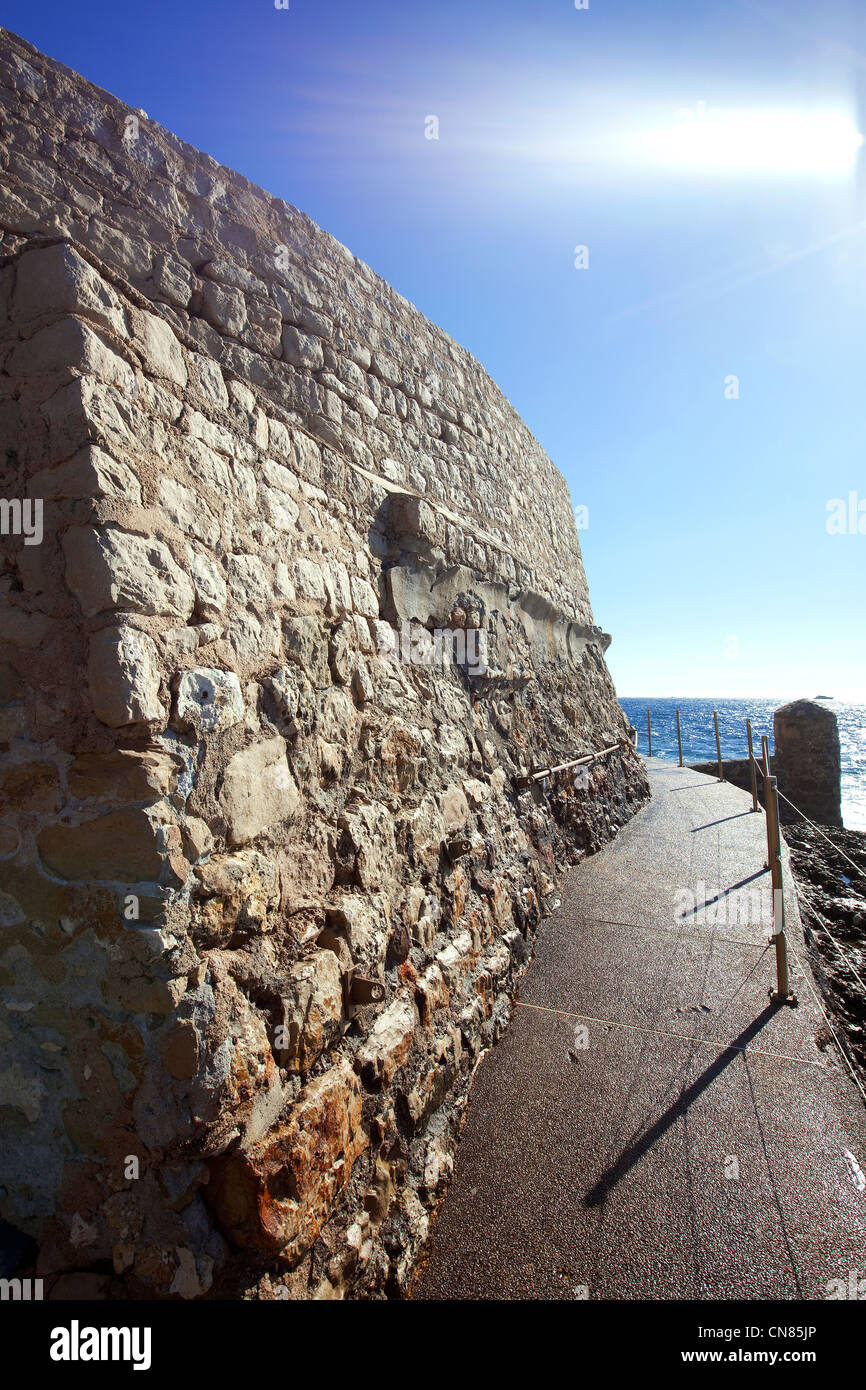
699	739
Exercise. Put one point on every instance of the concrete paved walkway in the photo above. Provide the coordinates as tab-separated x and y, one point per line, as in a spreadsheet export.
691	1141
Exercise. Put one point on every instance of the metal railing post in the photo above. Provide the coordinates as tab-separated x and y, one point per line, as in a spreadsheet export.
718	747
679	739
649	733
782	993
765	759
753	771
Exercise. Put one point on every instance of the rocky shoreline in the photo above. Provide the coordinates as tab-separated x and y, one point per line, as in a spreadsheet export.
832	897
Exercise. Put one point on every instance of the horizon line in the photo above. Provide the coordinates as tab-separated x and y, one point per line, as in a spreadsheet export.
846	699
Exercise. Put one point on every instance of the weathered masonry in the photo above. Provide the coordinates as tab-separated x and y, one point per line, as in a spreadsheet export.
269	871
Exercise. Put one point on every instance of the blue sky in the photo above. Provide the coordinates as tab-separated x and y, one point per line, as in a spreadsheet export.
614	128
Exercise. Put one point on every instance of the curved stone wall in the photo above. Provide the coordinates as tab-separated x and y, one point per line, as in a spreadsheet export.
292	601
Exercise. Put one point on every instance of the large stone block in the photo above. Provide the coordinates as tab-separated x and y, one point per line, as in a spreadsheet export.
281	509
409	597
238	894
258	790
211	591
307	575
454	808
249	582
302	350
29	787
109	568
76	412
431	993
307	646
54	280
388	1043
279	1196
429	1089
66	344
124	774
368	845
129	846
123	671
186	510
364	598
209	700
364	920
313	1010
224	307
172	279
338	593
162	352
91	473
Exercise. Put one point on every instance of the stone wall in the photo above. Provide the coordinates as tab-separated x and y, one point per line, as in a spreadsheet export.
270	869
808	761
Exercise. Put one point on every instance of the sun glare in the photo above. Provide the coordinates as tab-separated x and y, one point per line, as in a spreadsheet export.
737	141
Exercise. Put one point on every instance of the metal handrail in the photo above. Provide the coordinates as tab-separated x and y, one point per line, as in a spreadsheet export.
544	773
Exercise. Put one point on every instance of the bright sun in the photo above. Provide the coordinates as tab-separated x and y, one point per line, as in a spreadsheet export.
753	141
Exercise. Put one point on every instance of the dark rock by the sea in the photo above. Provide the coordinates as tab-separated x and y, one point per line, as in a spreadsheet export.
832	893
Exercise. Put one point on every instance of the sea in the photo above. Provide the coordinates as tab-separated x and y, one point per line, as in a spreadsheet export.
699	739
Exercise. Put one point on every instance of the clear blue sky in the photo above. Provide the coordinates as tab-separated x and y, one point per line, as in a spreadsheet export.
707	550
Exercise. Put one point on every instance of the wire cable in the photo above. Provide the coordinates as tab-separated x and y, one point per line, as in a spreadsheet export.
840	950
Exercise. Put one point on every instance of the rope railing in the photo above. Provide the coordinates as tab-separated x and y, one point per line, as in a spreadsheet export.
844	1051
840	852
839	948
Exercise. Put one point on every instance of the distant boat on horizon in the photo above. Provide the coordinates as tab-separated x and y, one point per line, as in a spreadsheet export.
824	697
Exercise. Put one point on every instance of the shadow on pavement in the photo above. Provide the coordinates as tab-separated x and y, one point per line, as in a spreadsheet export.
636	1149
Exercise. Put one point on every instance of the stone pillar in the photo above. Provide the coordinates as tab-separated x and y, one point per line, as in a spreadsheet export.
807	761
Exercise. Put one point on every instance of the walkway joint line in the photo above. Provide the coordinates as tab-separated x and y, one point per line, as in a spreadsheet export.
668	1033
711	937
